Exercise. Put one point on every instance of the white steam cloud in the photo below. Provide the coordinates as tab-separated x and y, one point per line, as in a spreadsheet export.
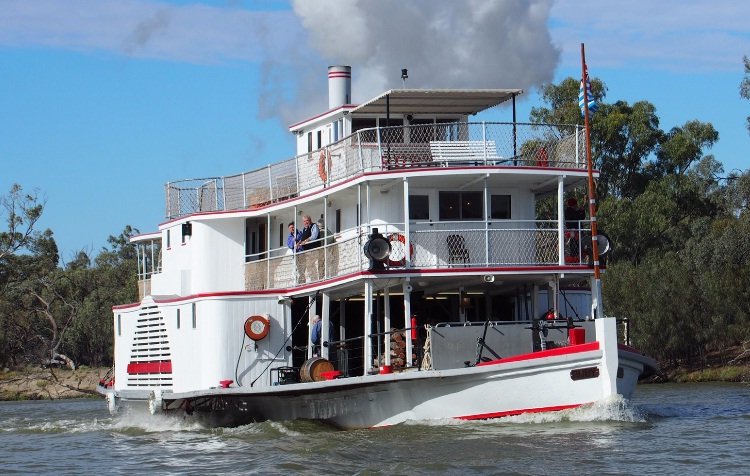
443	43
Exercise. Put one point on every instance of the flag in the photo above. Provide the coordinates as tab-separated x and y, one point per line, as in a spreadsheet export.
593	107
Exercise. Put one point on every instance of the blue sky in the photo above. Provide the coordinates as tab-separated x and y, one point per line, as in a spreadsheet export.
103	101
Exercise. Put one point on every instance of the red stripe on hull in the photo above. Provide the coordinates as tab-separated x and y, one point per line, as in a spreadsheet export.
571	349
487	416
158	367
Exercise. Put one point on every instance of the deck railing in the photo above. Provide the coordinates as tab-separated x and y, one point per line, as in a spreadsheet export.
387	148
432	246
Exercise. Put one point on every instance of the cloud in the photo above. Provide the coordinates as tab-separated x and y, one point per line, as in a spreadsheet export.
669	35
148	29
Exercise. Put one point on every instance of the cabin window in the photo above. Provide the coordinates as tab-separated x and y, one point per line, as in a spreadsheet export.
366	136
282	234
194	317
169	240
187	230
337	226
119	324
335	130
460	205
178	318
500	207
320	139
419	207
309	142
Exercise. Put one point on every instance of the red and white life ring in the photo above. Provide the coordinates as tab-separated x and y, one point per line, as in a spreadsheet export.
257	327
324	165
397	257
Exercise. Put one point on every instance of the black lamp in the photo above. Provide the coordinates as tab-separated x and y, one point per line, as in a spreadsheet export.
377	249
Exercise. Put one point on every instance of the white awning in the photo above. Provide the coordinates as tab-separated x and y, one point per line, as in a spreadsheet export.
436	101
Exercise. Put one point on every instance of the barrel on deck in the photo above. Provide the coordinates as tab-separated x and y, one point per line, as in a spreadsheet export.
312	369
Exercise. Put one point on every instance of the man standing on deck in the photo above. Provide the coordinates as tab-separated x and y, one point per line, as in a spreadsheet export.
308	241
293	238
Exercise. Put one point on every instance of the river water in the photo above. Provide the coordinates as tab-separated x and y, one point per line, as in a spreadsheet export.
666	429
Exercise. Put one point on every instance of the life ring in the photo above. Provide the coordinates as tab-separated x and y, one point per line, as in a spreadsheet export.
256	327
541	157
397	258
324	165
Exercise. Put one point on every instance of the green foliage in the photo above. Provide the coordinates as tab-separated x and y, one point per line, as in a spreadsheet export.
745	85
680	269
51	311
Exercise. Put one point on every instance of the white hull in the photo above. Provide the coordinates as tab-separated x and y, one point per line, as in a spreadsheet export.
538	384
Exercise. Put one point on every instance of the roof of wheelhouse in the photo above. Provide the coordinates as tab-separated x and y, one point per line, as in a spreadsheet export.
436	101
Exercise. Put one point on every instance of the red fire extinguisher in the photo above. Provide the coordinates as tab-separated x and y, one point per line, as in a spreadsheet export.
414	327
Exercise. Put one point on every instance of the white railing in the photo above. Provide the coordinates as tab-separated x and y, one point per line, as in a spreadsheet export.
371	150
432	246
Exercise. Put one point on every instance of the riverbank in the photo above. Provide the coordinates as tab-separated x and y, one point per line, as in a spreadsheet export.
49	384
55	384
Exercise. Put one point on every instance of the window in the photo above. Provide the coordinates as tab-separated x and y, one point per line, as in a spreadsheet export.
187	230
194	323
309	142
358	124
460	205
119	325
419	207
500	207
282	234
168	239
178	318
338	221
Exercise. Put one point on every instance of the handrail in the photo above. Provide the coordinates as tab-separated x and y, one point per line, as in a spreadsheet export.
541	145
504	243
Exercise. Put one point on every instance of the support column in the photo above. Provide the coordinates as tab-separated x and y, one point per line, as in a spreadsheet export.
387	325
367	339
325	325
560	220
310	315
407	323
407	237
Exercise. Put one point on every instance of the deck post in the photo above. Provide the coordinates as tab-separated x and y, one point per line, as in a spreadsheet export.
407	321
324	325
560	220
367	341
484	143
407	237
387	325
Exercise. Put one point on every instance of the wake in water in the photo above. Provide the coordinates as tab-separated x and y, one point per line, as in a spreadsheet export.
613	409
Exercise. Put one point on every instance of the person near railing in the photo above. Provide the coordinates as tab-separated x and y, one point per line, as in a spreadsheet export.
309	242
293	238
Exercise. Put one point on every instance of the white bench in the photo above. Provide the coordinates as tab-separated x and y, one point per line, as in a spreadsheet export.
464	151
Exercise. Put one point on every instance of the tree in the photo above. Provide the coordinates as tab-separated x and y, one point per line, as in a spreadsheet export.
23	211
745	85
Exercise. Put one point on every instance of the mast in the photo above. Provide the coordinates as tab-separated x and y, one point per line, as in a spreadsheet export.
596	292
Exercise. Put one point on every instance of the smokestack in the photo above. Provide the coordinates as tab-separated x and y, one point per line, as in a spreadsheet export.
339	86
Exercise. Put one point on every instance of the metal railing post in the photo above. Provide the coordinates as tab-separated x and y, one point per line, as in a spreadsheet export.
484	143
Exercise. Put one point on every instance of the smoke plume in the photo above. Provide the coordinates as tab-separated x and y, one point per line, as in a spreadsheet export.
443	43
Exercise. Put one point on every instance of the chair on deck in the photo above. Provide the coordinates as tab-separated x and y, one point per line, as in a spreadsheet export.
457	252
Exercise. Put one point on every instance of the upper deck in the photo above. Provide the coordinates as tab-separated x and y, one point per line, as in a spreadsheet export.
447	146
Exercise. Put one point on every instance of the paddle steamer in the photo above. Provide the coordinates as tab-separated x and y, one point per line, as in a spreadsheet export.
440	291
